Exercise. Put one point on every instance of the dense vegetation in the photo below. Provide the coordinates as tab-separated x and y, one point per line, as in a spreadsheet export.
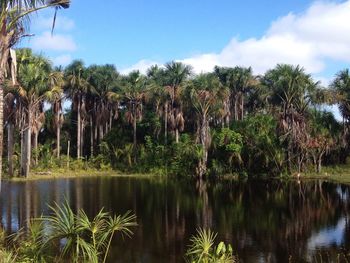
166	121
171	120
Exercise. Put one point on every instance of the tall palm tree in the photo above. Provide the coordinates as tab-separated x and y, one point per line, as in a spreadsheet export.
134	88
341	84
77	87
291	91
160	95
33	74
239	81
206	95
10	111
103	104
55	97
13	21
176	73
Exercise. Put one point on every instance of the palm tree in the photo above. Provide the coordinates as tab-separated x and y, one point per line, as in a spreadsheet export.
10	111
341	87
341	84
239	81
291	91
13	20
103	102
160	95
134	91
33	73
55	97
77	87
176	73
206	95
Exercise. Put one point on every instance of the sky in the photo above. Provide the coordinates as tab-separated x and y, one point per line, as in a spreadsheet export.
134	34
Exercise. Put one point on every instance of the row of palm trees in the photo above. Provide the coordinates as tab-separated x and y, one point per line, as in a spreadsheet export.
180	100
14	20
99	93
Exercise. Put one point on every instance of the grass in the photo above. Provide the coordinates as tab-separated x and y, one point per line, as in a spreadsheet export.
339	174
66	173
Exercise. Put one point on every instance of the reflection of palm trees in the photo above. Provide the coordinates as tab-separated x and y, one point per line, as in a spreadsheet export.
207	213
272	217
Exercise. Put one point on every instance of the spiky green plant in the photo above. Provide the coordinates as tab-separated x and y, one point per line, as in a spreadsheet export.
81	239
202	249
7	257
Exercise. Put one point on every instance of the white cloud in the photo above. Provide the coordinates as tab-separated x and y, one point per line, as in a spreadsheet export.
55	42
142	66
62	60
44	22
308	39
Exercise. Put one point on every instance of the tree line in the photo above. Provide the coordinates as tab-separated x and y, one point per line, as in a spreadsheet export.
170	119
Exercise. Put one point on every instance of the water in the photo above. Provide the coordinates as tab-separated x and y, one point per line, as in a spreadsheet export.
265	221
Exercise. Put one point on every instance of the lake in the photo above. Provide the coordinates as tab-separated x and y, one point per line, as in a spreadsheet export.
265	221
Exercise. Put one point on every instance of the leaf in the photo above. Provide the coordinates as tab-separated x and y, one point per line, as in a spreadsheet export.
220	248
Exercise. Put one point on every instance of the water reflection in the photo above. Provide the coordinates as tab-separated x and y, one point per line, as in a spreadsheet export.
266	221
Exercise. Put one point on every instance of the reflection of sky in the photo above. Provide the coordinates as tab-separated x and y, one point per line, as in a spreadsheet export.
328	236
343	194
12	191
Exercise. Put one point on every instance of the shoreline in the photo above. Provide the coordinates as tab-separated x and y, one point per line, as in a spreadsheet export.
336	174
64	174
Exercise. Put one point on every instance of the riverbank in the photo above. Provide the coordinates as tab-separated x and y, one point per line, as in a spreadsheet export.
337	174
65	173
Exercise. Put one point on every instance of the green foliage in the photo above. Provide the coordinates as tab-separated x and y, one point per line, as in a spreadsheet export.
203	250
185	156
226	152
228	140
229	121
262	151
65	236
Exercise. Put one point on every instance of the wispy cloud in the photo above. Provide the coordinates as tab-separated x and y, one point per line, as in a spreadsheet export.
142	66
55	42
45	22
62	60
308	38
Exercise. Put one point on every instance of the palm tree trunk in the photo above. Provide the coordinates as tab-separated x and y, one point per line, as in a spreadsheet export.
134	135
166	123
58	134
134	132
177	135
236	108
10	144
289	157
96	132
242	106
25	165
2	79
82	127
110	119
227	110
4	54
36	147
78	130
203	139
91	138
101	131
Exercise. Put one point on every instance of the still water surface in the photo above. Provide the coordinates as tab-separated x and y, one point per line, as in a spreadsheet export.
265	221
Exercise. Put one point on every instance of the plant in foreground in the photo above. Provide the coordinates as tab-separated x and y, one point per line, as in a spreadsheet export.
65	236
203	250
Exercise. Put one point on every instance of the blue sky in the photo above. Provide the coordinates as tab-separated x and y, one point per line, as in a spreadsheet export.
134	34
